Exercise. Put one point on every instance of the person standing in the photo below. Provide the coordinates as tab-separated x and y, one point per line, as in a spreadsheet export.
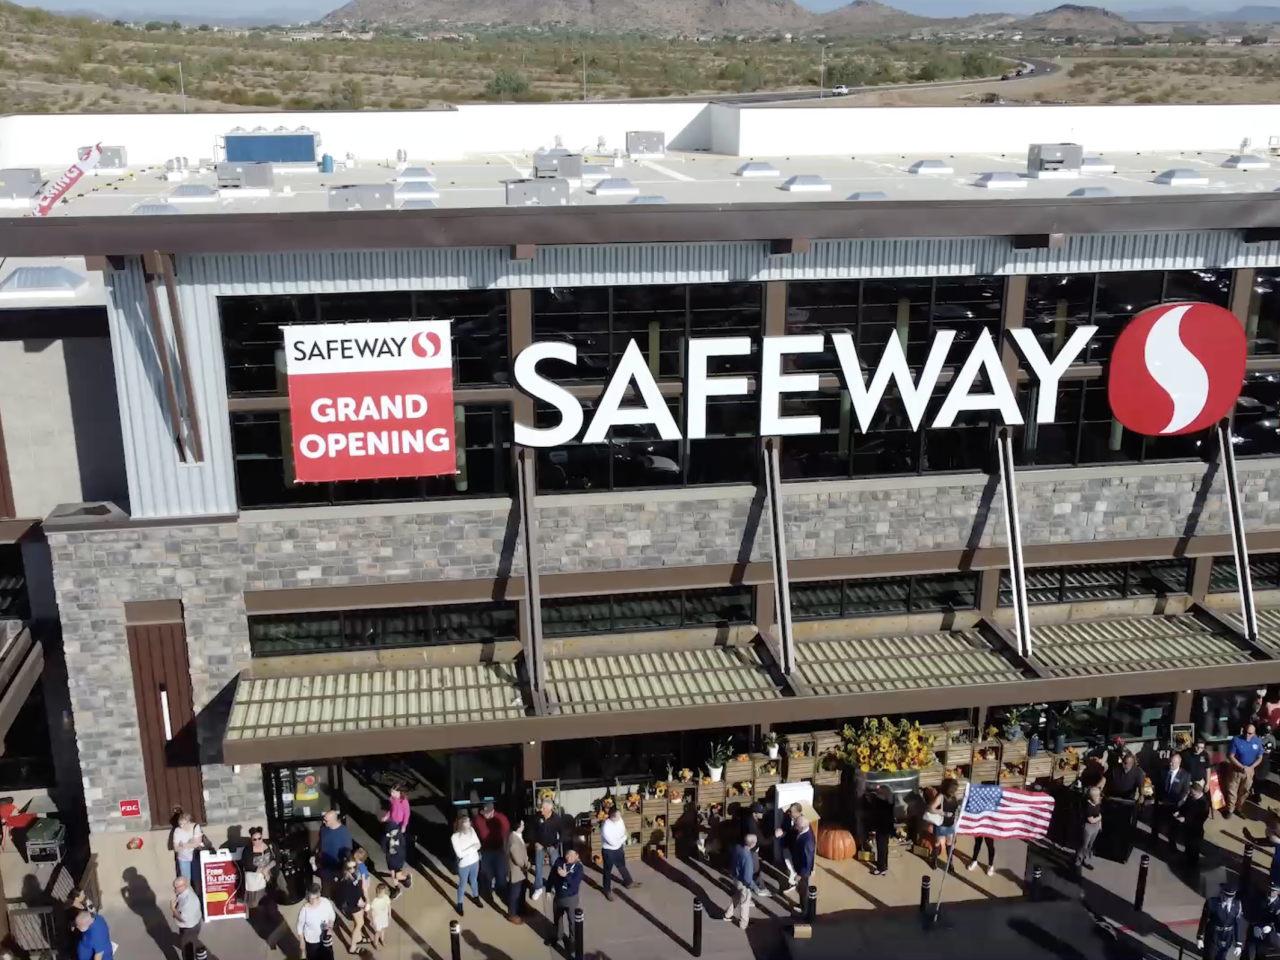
1193	815
349	899
881	808
315	924
1221	929
187	839
566	878
94	941
803	852
493	829
394	849
784	839
517	868
752	825
1171	790
742	870
1263	925
943	808
333	849
1243	756
991	854
1124	782
380	916
397	816
1197	763
548	837
613	840
186	910
466	847
1090	829
258	864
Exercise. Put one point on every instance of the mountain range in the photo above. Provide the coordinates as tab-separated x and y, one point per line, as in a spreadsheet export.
1188	15
718	16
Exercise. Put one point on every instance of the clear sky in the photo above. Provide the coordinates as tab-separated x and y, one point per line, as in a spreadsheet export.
304	9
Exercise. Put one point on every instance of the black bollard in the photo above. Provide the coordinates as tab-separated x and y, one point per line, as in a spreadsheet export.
1140	894
577	933
1246	871
1037	879
697	925
455	940
811	911
201	953
925	885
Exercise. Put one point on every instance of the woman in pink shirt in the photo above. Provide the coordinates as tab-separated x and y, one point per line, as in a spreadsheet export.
398	811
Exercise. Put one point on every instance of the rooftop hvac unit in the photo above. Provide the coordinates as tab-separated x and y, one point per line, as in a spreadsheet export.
542	192
245	176
262	146
379	196
19	176
646	144
1047	160
113	158
557	163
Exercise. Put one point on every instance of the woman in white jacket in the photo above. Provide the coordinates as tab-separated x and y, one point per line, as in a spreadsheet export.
466	846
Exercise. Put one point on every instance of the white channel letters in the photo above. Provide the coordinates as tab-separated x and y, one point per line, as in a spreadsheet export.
865	396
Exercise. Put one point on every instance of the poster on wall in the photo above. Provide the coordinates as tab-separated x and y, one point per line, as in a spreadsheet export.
371	401
220	885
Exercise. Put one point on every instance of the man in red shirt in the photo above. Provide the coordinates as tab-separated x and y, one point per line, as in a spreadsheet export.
493	829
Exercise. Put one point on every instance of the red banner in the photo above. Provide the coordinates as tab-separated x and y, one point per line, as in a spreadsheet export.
369	401
86	160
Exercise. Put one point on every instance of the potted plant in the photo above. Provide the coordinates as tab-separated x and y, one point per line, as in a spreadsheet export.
770	741
881	751
719	756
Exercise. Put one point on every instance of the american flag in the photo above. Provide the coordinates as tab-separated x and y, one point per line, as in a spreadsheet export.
991	811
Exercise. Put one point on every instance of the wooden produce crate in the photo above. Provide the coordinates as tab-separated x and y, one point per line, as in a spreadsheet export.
931	776
1013	774
824	741
827	775
1069	777
1013	751
677	793
764	783
1040	767
984	771
798	768
709	793
936	730
958	754
735	771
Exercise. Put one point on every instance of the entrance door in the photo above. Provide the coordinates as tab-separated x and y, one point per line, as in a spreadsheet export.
166	714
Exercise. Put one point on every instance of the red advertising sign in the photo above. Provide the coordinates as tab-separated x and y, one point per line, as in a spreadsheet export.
220	885
369	401
86	160
130	808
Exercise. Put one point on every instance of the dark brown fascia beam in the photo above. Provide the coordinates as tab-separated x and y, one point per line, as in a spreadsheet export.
783	710
1040	241
509	227
104	264
782	248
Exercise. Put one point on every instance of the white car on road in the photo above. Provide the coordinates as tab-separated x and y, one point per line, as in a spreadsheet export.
839	90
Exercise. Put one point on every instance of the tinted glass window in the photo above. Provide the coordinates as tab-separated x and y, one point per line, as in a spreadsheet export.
263	450
642	612
883	596
282	634
1100	581
1264	572
1256	425
1262	327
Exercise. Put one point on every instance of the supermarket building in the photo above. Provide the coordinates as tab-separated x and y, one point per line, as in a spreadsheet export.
204	625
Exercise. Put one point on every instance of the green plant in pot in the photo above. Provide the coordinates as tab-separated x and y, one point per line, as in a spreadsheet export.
770	741
717	757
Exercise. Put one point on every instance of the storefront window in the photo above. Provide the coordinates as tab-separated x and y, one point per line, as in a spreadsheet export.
262	445
14	604
643	612
600	761
1100	581
299	794
883	596
1221	714
1262	328
1255	427
299	633
254	342
1056	305
1083	722
1264	573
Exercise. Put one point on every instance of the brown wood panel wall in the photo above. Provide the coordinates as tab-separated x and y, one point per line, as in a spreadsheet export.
7	507
158	655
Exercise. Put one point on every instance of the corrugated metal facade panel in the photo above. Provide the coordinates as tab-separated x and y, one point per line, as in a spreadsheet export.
865	664
1092	648
160	484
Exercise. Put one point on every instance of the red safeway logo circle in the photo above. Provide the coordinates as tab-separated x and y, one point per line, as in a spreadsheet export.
1176	368
425	345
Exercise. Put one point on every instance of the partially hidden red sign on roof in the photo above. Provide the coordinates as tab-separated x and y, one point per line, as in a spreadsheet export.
371	401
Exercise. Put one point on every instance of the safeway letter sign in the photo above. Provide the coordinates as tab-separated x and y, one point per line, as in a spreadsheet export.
369	401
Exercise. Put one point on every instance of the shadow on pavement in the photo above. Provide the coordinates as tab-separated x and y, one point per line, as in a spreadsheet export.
141	899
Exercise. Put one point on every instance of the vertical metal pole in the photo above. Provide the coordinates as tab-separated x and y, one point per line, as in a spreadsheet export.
577	933
951	852
1246	872
822	73
1037	880
455	940
697	926
1239	545
182	87
781	579
925	884
1017	572
584	75
1140	894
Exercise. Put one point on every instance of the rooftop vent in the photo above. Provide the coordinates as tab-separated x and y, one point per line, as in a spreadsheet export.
416	175
417	205
282	129
362	196
260	130
646	144
930	167
758	168
648	198
806	183
1095	165
869	195
557	163
1182	178
112	158
417	190
1001	180
1050	160
1246	162
1091	192
41	281
193	193
594	171
154	210
542	192
615	187
255	175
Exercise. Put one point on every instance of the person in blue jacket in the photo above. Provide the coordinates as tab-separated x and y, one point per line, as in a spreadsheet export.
802	856
742	870
95	938
566	878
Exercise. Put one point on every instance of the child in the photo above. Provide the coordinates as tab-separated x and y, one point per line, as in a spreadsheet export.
393	845
380	916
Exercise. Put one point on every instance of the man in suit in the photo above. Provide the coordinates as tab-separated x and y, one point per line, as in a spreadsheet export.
1192	816
803	848
1171	789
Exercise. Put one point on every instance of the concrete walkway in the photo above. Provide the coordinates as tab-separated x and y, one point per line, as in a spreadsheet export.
656	919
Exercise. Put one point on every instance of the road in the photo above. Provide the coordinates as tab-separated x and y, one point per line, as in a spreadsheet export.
1042	68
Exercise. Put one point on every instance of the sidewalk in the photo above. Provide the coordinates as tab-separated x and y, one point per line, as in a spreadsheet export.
656	920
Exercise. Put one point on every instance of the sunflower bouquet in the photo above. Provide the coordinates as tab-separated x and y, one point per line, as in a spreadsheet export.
883	745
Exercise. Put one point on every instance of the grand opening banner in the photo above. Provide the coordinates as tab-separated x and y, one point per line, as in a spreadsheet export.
371	401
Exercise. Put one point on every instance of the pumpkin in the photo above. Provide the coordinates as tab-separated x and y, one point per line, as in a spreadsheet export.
836	843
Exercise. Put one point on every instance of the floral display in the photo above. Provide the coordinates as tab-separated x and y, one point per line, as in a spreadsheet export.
883	745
